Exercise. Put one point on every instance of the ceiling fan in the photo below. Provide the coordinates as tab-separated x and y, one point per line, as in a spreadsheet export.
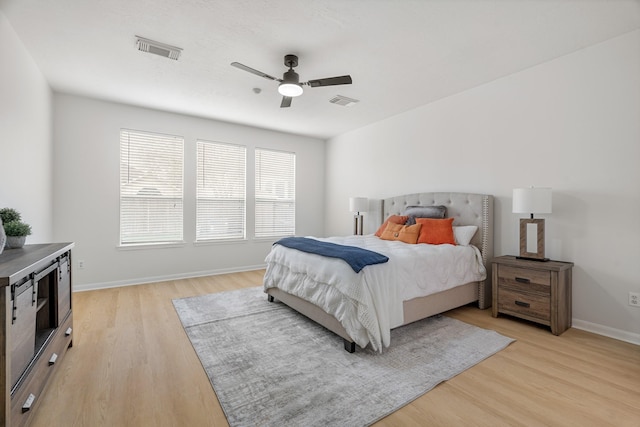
290	85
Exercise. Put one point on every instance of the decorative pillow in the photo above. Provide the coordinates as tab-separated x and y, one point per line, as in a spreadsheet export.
464	233
395	219
414	212
436	231
403	233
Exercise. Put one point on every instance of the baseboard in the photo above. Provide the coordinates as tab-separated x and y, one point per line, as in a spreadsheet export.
618	334
145	280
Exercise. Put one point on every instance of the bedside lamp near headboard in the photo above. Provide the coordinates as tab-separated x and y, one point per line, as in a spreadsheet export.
357	205
532	201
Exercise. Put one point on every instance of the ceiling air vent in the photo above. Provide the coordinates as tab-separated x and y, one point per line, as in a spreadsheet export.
343	100
158	48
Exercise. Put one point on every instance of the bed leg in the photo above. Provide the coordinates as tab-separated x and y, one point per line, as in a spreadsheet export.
270	298
350	346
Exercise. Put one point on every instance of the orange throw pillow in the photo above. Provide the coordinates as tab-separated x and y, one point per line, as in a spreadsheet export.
436	231
403	233
395	219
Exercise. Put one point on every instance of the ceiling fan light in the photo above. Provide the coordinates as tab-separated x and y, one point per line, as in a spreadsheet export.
290	89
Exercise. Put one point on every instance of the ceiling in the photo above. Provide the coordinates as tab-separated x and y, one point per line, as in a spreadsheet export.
401	54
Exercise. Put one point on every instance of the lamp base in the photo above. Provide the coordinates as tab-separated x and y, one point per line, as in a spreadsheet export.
532	239
358	221
533	259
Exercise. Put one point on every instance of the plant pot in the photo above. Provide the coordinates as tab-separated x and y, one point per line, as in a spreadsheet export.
15	242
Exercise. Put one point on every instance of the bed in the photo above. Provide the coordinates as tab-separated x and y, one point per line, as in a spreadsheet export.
292	276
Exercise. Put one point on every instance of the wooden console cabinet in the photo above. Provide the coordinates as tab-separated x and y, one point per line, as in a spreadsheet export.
36	325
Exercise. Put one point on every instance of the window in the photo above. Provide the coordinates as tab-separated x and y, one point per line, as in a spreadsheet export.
150	188
220	193
275	193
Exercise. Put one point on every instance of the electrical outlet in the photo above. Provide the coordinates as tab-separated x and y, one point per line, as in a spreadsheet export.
634	299
81	267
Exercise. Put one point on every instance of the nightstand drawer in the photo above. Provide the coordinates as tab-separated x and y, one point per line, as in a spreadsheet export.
525	279
538	306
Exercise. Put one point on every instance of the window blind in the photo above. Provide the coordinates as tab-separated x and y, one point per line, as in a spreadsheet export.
151	188
220	192
275	193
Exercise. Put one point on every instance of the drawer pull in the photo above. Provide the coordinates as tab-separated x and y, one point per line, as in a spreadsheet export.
28	403
68	332
53	359
523	304
523	280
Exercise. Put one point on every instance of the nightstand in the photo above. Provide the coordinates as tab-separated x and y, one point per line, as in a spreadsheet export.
533	290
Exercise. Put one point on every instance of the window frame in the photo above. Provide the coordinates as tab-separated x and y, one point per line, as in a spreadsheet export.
278	185
170	167
242	170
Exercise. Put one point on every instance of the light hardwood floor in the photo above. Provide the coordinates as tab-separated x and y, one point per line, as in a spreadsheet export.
131	364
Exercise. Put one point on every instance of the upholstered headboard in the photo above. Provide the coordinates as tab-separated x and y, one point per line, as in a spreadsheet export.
467	209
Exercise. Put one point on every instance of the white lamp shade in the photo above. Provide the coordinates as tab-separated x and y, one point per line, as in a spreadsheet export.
358	204
532	200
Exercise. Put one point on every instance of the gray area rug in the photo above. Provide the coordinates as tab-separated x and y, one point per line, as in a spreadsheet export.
271	366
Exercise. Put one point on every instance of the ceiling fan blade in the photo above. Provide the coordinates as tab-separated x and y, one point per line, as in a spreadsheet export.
330	81
286	102
254	71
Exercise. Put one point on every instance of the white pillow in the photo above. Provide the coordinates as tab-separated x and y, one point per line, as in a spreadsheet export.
464	233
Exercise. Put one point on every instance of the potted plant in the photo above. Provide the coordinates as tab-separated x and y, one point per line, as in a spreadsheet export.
15	230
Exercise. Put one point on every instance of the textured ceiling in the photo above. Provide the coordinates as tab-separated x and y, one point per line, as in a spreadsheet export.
401	54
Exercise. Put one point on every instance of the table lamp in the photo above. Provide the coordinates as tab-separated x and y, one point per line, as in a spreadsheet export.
357	205
532	201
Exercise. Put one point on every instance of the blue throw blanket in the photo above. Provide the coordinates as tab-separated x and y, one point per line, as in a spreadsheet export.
356	257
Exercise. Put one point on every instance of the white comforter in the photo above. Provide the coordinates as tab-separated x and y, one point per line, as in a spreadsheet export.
369	304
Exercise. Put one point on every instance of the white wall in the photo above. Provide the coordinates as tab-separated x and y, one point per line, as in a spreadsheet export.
86	205
26	144
572	124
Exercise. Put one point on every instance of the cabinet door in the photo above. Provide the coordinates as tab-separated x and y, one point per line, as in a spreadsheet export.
64	287
23	330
